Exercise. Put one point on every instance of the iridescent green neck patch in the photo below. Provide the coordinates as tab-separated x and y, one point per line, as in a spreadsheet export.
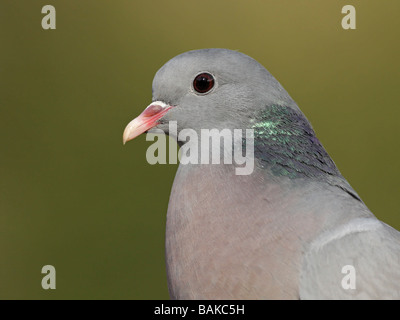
286	143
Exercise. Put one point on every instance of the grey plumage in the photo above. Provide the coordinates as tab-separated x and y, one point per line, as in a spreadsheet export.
283	232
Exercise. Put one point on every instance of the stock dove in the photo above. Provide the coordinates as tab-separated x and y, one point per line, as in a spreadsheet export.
292	229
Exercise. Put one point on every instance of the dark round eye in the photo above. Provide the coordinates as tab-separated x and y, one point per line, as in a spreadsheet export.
203	82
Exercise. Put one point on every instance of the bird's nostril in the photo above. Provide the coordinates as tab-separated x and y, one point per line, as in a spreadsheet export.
152	110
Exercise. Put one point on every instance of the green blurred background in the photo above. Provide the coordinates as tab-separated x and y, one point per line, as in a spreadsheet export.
72	196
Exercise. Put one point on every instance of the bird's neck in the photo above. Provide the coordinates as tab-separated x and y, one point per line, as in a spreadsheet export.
285	143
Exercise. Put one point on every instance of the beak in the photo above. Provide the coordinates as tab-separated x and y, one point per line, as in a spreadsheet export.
146	120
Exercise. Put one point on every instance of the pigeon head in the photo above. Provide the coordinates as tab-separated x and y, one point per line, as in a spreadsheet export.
224	89
207	89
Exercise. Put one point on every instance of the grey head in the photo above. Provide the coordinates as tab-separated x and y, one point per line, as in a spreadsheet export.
242	87
244	95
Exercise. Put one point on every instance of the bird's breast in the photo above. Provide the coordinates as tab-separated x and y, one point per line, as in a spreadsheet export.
233	237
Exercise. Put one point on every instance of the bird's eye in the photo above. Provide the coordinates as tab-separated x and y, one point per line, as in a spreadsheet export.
203	82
